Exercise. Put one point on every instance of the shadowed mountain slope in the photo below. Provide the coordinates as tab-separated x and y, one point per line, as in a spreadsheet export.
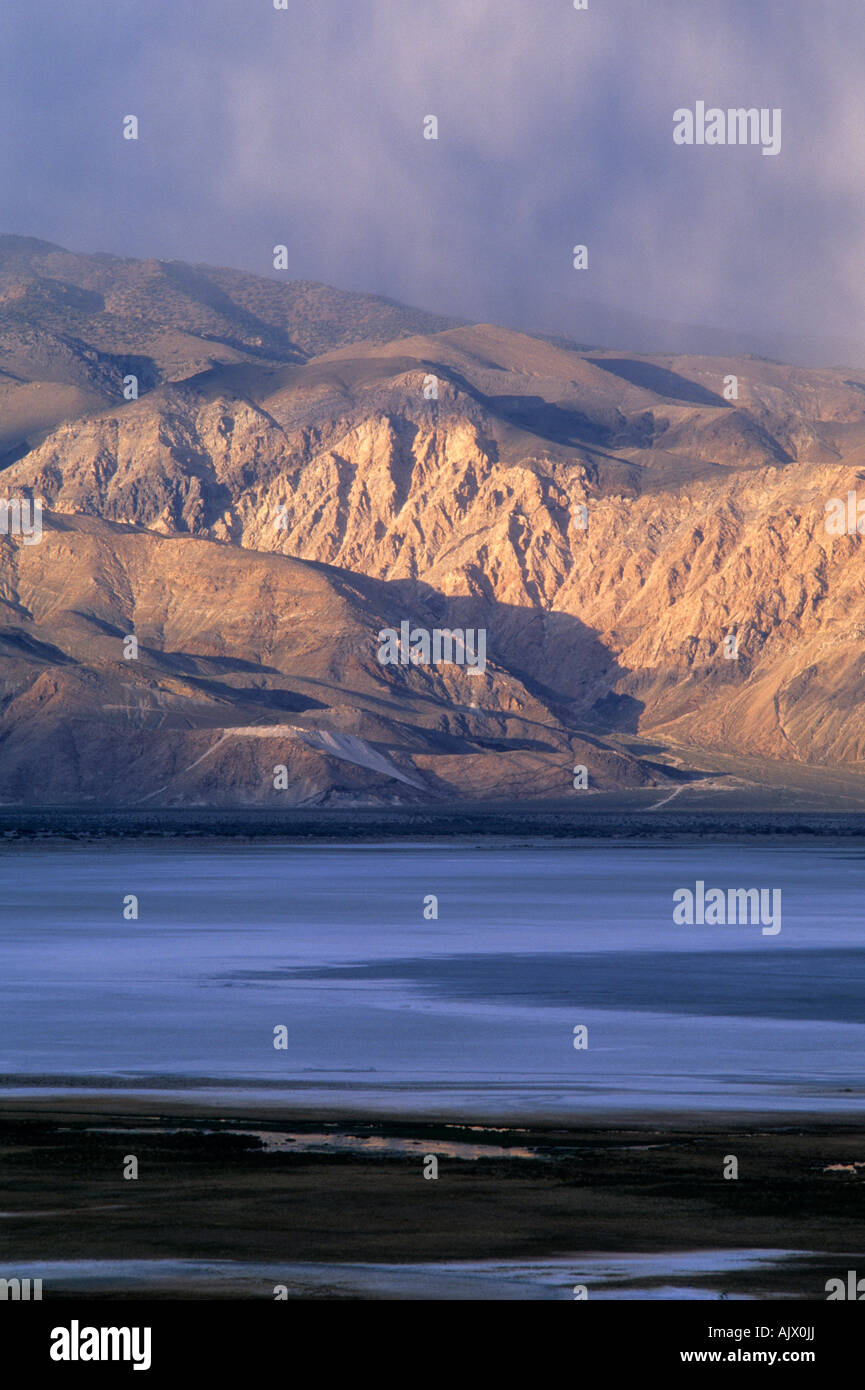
643	539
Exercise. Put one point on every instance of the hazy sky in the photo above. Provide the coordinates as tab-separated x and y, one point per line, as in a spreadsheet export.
305	127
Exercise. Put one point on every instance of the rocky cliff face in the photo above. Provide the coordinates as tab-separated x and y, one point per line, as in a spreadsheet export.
143	670
643	540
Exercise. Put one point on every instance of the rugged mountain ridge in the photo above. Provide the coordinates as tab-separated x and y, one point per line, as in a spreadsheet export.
613	522
246	666
84	323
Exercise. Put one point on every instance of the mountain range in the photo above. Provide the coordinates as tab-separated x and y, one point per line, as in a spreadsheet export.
253	477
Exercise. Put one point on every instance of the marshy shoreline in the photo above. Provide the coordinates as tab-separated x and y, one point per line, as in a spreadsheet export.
604	816
268	1187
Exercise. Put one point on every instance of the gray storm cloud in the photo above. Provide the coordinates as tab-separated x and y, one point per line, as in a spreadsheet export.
304	127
